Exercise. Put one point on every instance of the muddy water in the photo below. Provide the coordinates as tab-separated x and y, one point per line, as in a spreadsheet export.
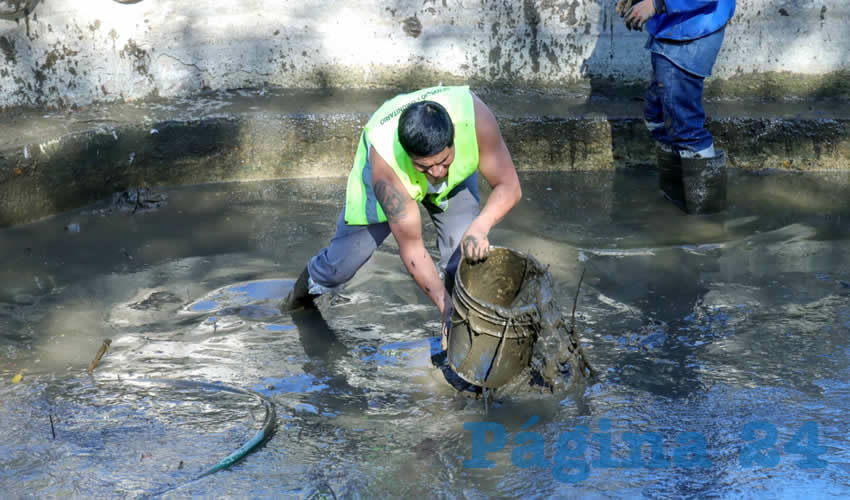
722	339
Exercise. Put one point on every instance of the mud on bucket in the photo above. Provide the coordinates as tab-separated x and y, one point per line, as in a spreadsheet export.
496	317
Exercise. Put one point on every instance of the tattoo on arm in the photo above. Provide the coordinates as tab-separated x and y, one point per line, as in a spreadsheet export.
391	201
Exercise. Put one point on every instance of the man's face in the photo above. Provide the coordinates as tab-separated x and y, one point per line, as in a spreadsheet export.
435	167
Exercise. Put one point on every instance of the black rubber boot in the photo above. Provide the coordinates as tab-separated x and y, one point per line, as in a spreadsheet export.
704	180
300	296
670	176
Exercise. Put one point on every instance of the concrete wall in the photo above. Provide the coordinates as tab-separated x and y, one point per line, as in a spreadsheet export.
73	52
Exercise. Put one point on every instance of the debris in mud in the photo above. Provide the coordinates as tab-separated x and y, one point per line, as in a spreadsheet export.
99	355
156	301
72	228
133	201
321	491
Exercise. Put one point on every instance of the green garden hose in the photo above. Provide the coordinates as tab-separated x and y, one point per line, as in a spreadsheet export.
261	436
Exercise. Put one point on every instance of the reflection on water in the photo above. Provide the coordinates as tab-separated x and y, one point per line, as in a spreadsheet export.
722	343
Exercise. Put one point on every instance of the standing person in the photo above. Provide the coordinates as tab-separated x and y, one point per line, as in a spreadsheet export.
684	39
424	147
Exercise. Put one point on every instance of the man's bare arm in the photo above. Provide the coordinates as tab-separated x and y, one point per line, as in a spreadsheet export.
406	225
497	167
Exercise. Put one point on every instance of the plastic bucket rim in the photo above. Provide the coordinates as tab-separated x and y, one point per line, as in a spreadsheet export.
504	314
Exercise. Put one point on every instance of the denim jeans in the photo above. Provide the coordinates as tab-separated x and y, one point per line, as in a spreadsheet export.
674	113
352	246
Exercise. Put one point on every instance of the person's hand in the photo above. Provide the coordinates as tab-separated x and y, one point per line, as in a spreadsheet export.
474	245
623	6
444	337
639	14
448	309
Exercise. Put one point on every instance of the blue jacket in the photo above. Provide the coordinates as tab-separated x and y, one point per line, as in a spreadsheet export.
689	19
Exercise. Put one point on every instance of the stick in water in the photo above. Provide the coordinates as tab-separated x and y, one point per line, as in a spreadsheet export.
575	301
583	358
52	430
99	355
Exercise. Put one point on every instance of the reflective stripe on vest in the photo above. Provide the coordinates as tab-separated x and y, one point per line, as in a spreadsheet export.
381	132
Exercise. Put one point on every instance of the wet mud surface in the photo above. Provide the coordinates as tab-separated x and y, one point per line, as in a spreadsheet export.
728	330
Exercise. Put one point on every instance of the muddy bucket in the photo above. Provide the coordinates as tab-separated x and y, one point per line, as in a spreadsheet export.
496	317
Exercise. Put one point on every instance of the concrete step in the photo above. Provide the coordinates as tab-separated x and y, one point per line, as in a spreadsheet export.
51	161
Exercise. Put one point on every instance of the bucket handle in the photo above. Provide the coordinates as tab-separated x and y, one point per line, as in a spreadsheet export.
465	321
509	321
498	348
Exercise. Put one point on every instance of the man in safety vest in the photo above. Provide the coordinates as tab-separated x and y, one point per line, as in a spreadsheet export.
423	147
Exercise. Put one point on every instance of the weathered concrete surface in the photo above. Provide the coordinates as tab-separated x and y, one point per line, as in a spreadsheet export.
54	161
69	52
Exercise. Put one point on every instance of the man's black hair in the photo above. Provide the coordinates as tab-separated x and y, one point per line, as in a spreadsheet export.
425	128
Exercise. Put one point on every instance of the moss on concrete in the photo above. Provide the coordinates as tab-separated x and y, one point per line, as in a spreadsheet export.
781	85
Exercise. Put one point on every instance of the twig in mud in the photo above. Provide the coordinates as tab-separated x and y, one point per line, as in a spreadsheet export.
582	357
99	355
575	302
52	430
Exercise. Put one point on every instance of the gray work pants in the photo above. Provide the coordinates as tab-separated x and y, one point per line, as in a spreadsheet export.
352	246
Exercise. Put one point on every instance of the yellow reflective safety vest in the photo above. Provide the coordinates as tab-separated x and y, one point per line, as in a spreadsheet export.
381	132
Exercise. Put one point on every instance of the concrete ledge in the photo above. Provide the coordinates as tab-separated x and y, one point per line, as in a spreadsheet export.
55	161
